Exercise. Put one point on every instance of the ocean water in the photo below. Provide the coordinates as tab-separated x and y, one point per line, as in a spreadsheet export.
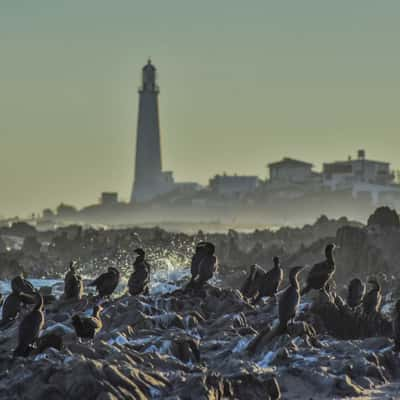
56	284
163	280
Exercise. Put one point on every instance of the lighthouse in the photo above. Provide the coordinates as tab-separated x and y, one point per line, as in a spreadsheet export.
149	180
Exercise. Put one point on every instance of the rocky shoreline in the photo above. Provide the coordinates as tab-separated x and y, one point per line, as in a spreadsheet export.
211	342
195	345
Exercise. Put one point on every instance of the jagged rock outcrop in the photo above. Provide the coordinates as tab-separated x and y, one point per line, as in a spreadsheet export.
193	345
384	217
343	323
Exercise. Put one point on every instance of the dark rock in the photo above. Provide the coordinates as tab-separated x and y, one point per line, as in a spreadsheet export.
384	217
345	387
118	379
49	340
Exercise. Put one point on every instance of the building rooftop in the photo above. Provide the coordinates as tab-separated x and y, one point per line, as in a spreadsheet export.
235	177
290	162
356	159
361	156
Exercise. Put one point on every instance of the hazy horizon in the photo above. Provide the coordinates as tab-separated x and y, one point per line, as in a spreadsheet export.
240	87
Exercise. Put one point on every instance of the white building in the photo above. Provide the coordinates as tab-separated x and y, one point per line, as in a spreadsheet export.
289	170
233	185
341	175
363	176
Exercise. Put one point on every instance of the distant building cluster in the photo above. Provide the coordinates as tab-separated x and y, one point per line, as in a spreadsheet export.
359	175
287	179
234	185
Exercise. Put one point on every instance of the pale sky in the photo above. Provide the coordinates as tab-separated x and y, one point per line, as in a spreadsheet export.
243	83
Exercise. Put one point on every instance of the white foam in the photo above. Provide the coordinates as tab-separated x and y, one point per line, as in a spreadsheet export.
154	393
267	359
307	359
241	345
141	341
66	329
120	340
152	349
161	349
41	356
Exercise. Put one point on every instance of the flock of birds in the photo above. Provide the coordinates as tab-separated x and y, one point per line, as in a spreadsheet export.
203	266
266	284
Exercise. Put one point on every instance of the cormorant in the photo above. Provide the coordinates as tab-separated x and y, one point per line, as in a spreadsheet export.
73	284
140	278
87	327
321	272
107	282
396	326
11	307
207	265
196	259
29	328
23	286
373	299
270	284
289	299
250	286
356	293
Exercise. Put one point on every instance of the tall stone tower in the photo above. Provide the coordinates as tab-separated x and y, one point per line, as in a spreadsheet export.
149	178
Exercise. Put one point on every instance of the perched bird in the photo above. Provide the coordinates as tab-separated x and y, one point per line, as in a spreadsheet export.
19	284
29	328
373	299
196	259
87	327
321	272
396	326
73	284
139	280
207	265
11	307
290	298
107	282
22	286
250	286
356	293
270	284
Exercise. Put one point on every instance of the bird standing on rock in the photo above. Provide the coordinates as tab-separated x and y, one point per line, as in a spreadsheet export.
270	284
140	278
73	284
255	278
321	272
196	259
106	283
29	328
206	266
290	298
87	327
356	293
22	286
11	307
372	300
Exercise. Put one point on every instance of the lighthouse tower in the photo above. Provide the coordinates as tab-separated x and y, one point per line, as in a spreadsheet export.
149	178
